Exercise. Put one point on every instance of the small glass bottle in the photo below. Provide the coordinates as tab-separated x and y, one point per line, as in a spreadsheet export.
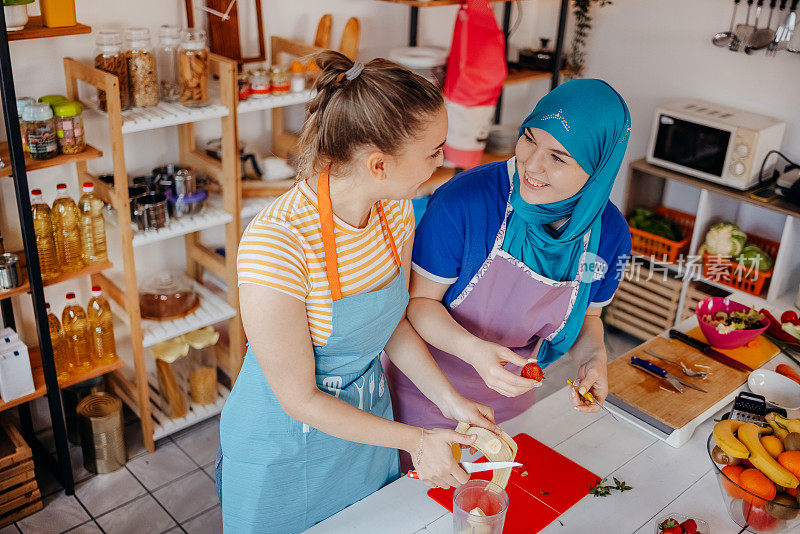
92	226
59	350
110	58
22	103
141	67
40	128
101	326
69	127
259	83
193	68
67	230
280	81
167	63
76	332
45	237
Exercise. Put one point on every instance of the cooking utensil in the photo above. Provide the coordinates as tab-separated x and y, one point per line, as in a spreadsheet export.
779	33
761	38
214	149
185	205
656	371
150	211
743	31
708	351
477	467
723	39
679	379
9	271
591	400
686	370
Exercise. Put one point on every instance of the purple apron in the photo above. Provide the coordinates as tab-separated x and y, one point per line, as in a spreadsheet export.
504	303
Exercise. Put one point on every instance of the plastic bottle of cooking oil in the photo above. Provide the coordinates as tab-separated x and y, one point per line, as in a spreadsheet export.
45	243
67	232
92	225
76	332
59	350
101	326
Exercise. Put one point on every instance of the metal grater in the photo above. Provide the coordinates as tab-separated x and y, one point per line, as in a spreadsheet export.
750	408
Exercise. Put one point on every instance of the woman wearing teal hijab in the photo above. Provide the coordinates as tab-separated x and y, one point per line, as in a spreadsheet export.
515	260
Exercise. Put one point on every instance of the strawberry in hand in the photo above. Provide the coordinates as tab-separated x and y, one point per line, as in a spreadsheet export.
532	371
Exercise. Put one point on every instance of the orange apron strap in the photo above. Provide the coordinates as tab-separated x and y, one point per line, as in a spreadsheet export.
385	225
328	240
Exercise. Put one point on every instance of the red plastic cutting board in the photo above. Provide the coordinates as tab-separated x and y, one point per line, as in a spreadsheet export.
554	483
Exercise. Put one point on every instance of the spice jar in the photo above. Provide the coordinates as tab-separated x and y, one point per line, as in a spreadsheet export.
280	82
244	86
22	103
141	67
109	57
298	77
40	128
193	68
69	127
172	369
167	63
203	374
259	83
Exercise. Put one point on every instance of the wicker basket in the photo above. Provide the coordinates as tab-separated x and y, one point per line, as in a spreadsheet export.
722	270
661	248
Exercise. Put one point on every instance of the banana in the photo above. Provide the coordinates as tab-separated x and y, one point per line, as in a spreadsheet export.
750	436
792	425
726	440
779	431
496	448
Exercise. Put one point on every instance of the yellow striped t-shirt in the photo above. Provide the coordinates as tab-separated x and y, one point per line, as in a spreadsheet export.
282	249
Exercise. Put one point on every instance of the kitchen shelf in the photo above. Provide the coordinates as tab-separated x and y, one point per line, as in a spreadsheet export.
212	310
36	164
35	29
434	3
25	287
516	76
165	426
165	114
274	101
209	217
266	188
38	378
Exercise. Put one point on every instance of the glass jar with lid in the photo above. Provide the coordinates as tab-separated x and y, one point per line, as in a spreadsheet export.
172	370
193	68
52	100
259	83
110	58
167	63
40	128
298	77
167	296
22	103
69	127
141	67
281	82
244	86
203	374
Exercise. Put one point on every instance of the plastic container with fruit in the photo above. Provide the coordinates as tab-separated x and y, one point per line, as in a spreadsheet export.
700	526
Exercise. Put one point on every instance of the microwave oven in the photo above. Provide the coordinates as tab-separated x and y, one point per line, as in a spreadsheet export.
713	142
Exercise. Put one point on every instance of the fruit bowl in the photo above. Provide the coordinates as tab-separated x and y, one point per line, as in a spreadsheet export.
730	340
747	509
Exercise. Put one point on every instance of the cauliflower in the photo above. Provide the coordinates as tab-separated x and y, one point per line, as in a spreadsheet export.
724	239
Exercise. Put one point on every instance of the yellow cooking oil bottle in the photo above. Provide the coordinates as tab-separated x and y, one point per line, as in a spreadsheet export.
76	332
45	239
101	326
92	226
67	232
59	349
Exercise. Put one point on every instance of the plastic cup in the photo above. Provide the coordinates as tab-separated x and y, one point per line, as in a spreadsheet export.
492	501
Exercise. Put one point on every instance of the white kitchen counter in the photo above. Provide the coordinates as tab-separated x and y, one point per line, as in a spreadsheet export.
664	479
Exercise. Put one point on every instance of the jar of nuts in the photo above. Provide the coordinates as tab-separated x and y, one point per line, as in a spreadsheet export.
141	67
167	60
69	127
110	58
40	130
193	68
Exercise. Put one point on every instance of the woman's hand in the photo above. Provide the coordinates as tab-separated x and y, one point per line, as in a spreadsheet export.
436	466
489	359
593	377
458	408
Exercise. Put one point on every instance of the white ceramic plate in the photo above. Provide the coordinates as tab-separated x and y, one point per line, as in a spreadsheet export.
776	388
702	526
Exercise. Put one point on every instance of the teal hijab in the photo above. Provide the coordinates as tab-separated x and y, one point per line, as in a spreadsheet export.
591	121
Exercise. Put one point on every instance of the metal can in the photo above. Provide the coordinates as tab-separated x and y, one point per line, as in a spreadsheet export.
102	433
9	271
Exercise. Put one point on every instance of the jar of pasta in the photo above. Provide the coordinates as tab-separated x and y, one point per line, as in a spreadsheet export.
193	68
69	127
141	67
172	369
203	374
110	58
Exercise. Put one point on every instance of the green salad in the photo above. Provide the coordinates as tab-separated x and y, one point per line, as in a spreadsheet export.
739	320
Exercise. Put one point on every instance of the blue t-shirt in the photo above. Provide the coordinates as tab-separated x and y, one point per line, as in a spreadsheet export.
461	222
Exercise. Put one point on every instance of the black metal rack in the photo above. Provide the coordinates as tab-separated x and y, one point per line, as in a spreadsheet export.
61	466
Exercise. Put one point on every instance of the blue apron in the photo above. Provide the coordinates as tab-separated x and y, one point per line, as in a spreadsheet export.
281	476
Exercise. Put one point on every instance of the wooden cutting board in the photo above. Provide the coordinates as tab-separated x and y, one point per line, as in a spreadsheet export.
644	392
759	351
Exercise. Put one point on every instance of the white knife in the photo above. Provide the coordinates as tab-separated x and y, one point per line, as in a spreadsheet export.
477	467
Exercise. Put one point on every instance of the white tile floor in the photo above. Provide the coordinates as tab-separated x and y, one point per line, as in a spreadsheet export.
172	489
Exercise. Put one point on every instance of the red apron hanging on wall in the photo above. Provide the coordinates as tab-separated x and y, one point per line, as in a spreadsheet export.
476	70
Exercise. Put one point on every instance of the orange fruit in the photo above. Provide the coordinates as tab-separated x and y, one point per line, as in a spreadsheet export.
296	66
791	461
732	474
756	483
773	444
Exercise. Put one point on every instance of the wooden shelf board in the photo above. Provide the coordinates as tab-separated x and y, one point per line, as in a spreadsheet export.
266	189
38	378
25	287
36	164
35	29
433	3
274	101
516	76
778	205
